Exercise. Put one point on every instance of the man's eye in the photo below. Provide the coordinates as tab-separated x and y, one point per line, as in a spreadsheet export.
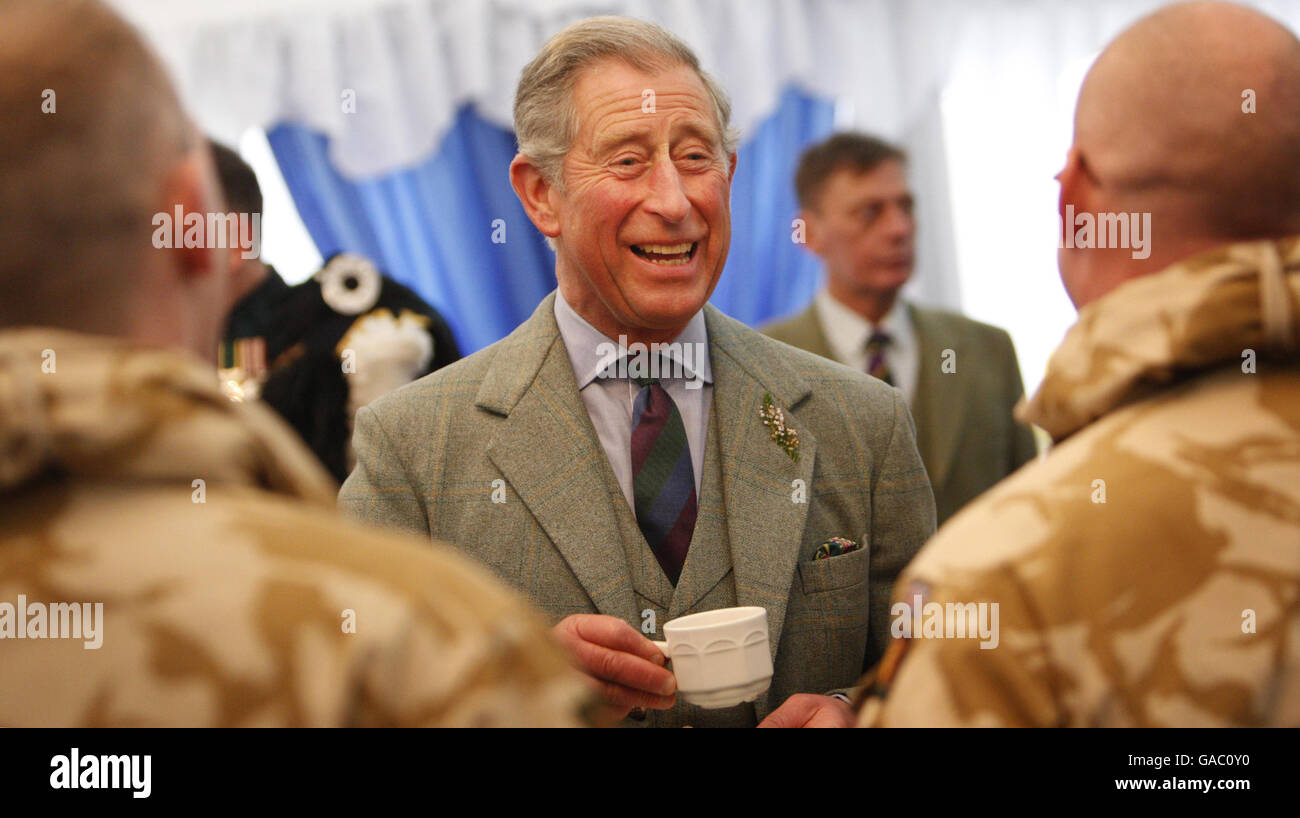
627	163
694	161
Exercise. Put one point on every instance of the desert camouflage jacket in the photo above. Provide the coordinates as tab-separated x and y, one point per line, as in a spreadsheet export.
1146	572
170	558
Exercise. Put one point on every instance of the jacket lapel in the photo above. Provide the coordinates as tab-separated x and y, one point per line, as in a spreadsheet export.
938	405
548	451
764	523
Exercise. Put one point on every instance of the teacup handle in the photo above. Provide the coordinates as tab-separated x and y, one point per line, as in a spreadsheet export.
663	648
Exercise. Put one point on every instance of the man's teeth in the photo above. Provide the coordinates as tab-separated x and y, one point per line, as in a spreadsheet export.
666	249
665	253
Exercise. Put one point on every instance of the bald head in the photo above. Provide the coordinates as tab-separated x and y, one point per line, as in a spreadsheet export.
94	143
1160	122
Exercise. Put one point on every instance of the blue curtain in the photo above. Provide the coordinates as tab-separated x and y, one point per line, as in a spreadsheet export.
453	230
768	275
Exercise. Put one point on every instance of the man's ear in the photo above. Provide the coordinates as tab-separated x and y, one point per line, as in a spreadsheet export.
191	183
812	230
1076	182
534	192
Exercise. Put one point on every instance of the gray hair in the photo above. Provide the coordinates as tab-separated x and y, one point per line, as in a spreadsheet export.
544	98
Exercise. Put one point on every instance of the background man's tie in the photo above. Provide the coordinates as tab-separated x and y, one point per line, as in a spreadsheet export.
663	478
877	362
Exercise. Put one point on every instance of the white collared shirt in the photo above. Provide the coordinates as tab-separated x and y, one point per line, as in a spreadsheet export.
609	400
847	332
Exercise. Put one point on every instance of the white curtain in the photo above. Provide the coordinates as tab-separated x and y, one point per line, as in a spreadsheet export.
411	63
980	92
1008	114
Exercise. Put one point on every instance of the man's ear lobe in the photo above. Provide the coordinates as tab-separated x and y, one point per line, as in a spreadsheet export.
534	192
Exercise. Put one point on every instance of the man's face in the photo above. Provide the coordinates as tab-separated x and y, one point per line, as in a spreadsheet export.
862	227
644	217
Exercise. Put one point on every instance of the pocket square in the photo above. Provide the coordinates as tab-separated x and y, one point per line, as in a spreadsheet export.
834	547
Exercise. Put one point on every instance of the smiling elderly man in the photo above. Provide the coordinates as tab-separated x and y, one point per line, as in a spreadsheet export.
618	503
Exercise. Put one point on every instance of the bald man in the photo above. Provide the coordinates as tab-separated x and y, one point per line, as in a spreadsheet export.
167	557
1147	572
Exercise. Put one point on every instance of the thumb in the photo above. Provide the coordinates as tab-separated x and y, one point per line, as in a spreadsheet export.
795	712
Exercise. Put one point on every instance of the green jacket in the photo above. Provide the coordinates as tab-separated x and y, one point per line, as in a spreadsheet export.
965	431
497	454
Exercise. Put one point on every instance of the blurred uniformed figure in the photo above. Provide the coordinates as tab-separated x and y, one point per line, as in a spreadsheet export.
318	351
167	556
1147	572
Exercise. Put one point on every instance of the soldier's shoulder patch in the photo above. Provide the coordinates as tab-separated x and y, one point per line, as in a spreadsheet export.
916	592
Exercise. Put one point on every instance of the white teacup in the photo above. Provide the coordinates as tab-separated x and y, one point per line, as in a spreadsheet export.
720	658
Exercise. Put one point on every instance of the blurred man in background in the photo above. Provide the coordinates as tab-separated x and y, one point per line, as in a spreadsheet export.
318	351
959	376
1147	571
169	557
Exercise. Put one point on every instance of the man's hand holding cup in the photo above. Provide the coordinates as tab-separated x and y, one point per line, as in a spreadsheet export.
627	667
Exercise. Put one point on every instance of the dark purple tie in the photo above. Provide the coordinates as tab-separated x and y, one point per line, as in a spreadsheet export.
877	364
663	478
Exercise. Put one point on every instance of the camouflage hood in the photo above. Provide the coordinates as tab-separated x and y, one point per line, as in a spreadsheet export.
1199	314
101	408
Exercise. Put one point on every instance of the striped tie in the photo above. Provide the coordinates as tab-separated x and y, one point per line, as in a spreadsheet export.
663	479
877	366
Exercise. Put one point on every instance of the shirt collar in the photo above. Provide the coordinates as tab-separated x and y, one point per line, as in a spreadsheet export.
589	349
851	330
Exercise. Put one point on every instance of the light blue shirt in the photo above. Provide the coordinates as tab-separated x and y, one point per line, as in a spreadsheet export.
609	398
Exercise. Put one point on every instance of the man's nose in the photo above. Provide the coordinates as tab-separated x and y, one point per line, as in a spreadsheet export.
899	222
667	197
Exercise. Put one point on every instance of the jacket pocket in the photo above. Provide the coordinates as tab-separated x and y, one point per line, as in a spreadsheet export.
835	573
824	640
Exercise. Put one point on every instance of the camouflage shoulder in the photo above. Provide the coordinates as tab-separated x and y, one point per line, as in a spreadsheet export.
473	631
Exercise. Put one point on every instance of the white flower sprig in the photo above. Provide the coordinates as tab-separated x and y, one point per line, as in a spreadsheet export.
774	419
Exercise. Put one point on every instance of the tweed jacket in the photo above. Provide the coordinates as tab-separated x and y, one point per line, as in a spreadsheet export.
497	454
